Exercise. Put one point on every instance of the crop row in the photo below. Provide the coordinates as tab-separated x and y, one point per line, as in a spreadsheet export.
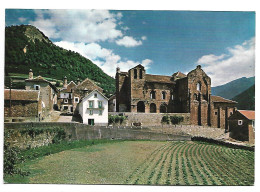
193	163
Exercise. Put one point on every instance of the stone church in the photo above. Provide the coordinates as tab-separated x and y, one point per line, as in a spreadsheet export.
139	92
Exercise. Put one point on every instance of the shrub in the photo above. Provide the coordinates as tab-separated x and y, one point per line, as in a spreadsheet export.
166	119
59	136
116	119
11	159
176	119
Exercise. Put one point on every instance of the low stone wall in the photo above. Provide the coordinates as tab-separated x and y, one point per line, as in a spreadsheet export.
225	143
22	138
149	119
78	131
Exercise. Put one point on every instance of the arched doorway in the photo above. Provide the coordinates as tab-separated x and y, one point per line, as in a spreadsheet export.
163	109
152	108
140	107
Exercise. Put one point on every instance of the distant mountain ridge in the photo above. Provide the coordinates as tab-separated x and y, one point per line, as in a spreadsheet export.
26	47
233	88
246	99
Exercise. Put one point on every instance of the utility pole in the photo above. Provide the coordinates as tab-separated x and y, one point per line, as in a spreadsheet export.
10	95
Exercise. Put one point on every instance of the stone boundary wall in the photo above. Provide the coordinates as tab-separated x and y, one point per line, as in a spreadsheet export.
78	131
225	143
149	119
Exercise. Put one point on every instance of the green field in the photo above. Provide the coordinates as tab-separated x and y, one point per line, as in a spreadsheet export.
144	162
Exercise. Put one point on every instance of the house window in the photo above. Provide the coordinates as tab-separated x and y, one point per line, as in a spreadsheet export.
198	87
253	125
172	97
216	113
100	112
90	112
99	104
152	94
65	100
90	104
163	95
135	73
76	99
95	95
37	87
65	107
240	122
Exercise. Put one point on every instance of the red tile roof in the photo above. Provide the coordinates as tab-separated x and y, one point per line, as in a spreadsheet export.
218	99
248	114
21	95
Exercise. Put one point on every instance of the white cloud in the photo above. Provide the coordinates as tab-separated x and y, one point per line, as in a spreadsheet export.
144	38
104	58
125	28
78	25
128	41
22	19
238	62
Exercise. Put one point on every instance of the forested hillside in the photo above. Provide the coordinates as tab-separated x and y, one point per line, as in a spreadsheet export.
233	88
246	99
28	48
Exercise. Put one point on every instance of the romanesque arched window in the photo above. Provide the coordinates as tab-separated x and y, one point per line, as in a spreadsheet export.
140	107
163	95
198	86
195	97
140	74
163	108
135	73
152	108
152	94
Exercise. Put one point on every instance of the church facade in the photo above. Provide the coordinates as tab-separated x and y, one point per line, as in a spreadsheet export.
139	92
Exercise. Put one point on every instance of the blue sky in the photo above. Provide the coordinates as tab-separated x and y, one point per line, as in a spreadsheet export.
163	41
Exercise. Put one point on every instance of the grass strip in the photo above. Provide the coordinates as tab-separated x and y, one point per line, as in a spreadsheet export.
42	151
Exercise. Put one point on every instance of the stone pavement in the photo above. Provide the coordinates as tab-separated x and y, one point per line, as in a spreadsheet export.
65	119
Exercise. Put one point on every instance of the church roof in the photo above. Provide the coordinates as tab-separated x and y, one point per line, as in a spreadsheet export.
21	95
158	78
218	99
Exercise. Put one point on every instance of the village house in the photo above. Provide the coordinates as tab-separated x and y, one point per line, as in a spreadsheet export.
71	94
93	109
65	97
242	125
112	104
48	91
22	105
138	92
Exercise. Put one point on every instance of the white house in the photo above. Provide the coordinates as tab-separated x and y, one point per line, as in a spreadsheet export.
93	109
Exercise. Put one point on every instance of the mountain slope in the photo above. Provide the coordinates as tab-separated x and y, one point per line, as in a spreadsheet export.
233	88
28	48
246	99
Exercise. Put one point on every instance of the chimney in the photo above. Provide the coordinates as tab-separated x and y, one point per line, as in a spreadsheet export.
30	74
78	81
86	91
198	66
65	83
